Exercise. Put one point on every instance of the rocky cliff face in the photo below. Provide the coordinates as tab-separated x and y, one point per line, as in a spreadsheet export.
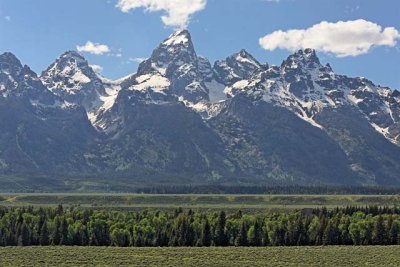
180	119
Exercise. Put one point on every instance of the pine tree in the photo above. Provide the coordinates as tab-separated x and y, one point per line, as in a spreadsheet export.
254	235
44	235
84	237
64	233
55	236
60	210
266	240
220	238
379	235
394	234
206	234
327	237
241	239
24	238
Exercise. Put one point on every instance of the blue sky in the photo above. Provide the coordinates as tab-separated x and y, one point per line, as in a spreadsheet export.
39	31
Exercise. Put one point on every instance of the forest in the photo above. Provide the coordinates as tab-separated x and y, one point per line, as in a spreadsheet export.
268	189
75	226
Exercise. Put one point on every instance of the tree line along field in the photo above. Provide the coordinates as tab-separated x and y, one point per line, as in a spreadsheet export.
152	230
230	257
83	227
194	201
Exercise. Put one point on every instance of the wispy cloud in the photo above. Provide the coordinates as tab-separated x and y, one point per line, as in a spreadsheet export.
342	38
137	59
97	68
94	48
177	12
350	9
7	18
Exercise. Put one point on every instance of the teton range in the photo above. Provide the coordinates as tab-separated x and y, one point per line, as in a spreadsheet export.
181	120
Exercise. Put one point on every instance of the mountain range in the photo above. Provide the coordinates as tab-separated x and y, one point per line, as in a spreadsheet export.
181	120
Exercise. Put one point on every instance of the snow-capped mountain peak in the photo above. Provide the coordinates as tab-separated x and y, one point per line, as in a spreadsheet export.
181	37
239	66
71	78
299	120
174	69
9	63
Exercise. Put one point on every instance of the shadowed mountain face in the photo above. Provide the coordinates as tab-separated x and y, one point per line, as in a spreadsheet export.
40	132
182	120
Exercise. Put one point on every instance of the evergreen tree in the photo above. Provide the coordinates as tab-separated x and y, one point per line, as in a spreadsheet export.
378	235
55	240
44	235
84	237
60	210
328	236
64	232
24	237
241	239
254	235
266	240
206	237
220	238
394	234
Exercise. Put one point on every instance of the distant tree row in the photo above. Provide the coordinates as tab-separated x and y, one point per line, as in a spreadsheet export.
280	189
75	226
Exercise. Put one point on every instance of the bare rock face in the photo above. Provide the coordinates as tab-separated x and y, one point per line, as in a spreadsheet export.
181	119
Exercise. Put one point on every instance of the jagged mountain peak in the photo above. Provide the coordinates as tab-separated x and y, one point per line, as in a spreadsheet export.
181	37
239	66
243	53
307	54
302	58
172	53
174	69
69	61
13	73
395	93
261	130
70	64
72	54
9	57
19	83
10	63
71	78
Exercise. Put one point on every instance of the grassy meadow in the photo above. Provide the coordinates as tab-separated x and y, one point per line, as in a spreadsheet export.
269	256
207	202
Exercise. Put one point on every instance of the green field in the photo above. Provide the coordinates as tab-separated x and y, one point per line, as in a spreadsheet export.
270	256
208	202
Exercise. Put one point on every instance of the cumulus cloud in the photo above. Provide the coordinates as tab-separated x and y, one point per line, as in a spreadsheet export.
342	38
177	12
97	68
93	48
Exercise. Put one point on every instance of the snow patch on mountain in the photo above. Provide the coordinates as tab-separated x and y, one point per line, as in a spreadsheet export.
176	38
155	82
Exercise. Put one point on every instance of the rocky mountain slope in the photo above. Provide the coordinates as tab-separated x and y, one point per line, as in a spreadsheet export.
179	119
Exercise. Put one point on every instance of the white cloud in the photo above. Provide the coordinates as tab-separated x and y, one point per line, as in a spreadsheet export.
343	38
137	59
177	12
93	48
7	18
97	68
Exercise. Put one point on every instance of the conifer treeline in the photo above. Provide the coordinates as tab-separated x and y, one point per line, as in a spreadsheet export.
270	189
82	227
